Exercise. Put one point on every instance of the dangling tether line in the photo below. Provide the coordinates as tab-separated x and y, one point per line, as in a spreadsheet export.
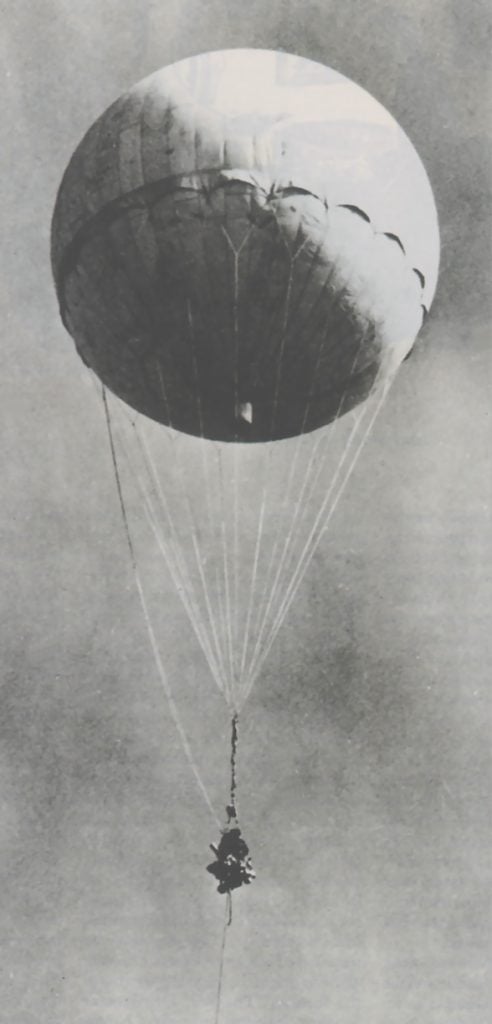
227	923
148	623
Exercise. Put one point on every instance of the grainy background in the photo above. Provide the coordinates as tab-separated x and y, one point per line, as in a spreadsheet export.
365	758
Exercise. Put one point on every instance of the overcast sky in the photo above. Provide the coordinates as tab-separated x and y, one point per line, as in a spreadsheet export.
365	764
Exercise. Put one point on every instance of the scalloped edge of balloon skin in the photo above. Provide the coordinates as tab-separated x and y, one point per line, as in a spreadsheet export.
259	181
291	188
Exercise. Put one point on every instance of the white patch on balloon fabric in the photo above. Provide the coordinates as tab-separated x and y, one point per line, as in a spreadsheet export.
246	412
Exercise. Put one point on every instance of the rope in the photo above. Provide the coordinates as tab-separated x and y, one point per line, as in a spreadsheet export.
267	631
234	740
321	524
269	595
176	565
148	623
227	923
195	540
223	590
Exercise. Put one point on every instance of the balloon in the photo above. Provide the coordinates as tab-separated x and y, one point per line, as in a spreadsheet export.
244	245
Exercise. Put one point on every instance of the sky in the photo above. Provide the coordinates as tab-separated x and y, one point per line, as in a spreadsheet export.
364	748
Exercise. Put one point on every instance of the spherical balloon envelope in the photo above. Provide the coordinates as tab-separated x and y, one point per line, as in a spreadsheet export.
244	246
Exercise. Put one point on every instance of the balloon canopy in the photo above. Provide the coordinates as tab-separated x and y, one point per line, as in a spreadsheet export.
243	245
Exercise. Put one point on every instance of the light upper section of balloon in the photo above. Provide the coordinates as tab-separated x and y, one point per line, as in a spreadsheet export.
297	121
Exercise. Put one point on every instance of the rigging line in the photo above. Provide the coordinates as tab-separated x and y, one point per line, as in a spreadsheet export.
227	923
264	639
295	582
293	467
227	689
265	590
270	594
308	478
253	576
149	461
227	604
264	598
266	465
259	659
191	520
162	385
282	350
148	622
293	464
220	605
236	254
235	560
181	591
224	603
219	328
186	600
254	572
248	631
283	333
185	593
174	543
309	400
306	326
245	256
178	565
235	457
220	601
186	501
194	363
305	504
200	635
313	309
202	433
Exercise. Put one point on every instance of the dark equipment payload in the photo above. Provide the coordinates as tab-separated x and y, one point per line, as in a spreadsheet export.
233	867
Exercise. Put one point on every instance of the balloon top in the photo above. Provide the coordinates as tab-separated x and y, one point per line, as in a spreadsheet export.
310	117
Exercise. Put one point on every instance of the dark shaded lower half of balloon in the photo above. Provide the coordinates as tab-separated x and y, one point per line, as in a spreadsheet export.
222	311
